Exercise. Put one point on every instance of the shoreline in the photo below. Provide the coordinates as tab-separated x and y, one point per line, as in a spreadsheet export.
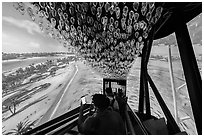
13	67
41	99
20	59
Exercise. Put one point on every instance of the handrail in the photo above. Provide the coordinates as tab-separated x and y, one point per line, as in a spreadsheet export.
51	122
172	123
55	120
129	123
138	121
57	125
64	129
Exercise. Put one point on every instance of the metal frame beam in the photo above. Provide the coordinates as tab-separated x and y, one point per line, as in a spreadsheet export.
173	84
144	93
190	68
171	123
141	91
144	89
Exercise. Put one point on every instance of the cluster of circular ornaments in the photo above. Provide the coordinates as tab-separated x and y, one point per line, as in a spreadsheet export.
108	35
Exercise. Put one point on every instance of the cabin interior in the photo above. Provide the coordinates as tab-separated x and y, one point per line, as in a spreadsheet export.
169	18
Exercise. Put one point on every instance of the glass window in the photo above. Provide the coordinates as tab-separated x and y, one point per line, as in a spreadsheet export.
158	68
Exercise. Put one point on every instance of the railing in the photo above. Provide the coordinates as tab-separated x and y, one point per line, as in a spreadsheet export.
57	123
137	122
66	122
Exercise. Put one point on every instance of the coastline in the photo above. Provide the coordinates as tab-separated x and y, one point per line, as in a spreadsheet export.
20	62
40	100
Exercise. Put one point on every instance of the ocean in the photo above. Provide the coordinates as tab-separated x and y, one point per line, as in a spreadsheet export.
9	65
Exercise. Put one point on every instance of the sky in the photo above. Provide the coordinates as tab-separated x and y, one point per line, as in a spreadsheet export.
21	35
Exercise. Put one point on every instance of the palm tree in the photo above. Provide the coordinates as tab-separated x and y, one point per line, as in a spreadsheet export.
32	68
22	127
27	70
20	71
49	63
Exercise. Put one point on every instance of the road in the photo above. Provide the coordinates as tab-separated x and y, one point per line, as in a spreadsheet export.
51	113
82	81
85	82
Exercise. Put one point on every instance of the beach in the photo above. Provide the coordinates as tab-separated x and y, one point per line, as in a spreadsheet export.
13	64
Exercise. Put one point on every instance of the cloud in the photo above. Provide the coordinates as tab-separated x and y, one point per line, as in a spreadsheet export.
8	39
34	45
4	35
30	26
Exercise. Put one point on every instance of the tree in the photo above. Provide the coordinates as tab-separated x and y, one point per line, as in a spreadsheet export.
19	71
4	87
32	68
3	77
11	104
39	67
53	71
4	84
27	70
49	63
22	127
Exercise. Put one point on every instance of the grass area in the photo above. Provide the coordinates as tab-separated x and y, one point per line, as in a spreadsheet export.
33	95
21	96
